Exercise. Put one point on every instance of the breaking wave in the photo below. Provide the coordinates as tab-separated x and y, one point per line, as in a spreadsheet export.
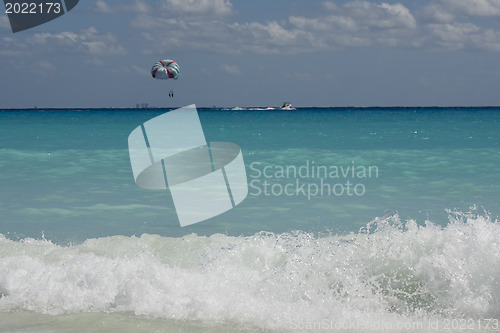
390	272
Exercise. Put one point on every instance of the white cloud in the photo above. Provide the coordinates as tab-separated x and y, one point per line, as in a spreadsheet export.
436	13
231	69
138	6
141	7
452	35
103	7
358	15
474	7
463	35
328	23
10	47
268	35
381	16
446	11
206	25
460	24
210	7
86	41
358	23
397	16
211	35
273	37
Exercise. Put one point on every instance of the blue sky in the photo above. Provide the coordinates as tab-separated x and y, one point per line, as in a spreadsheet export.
257	53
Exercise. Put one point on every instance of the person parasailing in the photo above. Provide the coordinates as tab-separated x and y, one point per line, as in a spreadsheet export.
164	70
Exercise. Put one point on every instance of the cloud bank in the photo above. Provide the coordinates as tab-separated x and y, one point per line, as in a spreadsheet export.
216	26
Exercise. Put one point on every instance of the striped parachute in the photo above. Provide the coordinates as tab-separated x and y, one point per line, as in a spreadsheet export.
165	69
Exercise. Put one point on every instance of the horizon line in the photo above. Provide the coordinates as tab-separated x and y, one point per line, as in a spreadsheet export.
261	108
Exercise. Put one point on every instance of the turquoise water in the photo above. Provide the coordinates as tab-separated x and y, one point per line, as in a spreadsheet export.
356	218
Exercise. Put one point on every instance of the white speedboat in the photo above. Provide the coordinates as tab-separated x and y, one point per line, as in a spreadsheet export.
287	106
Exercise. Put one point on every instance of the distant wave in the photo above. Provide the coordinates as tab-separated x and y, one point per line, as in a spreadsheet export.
390	273
256	108
239	108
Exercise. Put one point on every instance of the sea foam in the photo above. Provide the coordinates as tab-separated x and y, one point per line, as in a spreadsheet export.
391	272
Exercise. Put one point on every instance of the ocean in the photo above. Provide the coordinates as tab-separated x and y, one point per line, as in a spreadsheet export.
356	220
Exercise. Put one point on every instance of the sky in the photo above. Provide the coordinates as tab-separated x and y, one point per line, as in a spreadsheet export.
257	53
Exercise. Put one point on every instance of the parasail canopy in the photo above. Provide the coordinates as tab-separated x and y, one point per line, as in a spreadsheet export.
165	69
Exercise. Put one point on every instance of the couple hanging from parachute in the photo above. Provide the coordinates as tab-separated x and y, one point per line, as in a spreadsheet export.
164	70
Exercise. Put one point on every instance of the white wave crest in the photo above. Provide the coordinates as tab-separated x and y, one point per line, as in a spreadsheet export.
391	271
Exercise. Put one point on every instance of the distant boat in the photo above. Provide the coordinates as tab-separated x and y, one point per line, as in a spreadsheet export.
287	106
